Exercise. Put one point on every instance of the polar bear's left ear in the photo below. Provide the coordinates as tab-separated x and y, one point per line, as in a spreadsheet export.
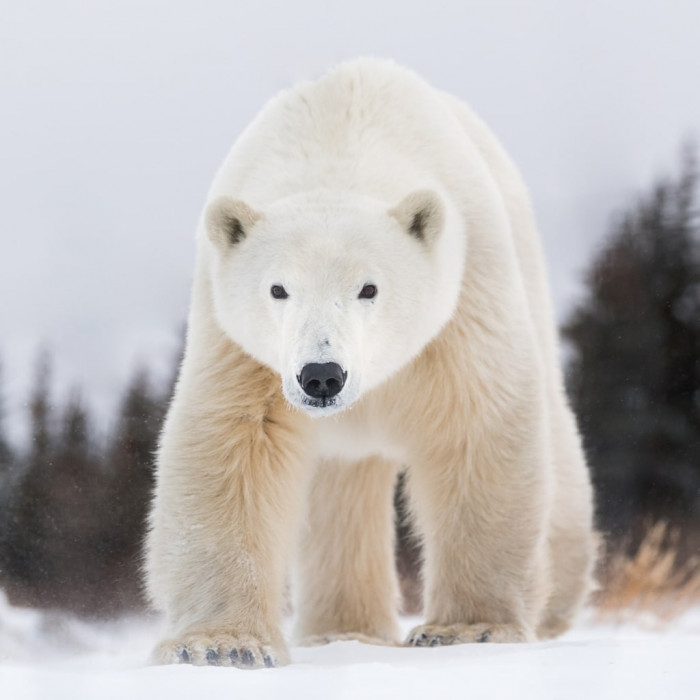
421	214
228	220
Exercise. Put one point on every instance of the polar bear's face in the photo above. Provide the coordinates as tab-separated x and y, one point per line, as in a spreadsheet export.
334	296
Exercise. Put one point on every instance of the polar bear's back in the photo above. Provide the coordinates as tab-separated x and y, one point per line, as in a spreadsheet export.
367	126
522	227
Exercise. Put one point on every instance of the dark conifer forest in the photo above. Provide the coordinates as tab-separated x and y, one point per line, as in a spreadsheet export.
73	506
634	373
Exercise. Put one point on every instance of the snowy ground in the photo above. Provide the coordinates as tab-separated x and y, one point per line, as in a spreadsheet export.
51	657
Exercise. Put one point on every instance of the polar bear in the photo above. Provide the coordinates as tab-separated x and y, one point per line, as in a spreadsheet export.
369	296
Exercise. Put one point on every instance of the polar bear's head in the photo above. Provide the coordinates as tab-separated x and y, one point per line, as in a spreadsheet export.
334	295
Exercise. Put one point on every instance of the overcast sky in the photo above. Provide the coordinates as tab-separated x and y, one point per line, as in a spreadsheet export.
115	115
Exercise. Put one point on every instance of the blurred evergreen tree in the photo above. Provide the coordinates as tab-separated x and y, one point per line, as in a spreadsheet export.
75	501
28	523
130	461
634	376
408	551
74	512
41	415
6	452
7	474
57	509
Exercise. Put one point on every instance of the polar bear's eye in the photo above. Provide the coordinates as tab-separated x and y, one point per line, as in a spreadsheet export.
369	291
278	291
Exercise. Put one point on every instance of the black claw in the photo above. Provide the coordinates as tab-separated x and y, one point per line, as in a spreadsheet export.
484	637
268	661
183	655
212	657
233	656
247	657
436	642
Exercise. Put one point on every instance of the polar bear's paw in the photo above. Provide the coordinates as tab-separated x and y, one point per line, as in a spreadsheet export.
443	635
220	650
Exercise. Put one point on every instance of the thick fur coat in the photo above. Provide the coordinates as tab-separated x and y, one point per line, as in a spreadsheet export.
369	295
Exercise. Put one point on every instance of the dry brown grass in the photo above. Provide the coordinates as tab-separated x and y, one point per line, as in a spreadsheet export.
654	585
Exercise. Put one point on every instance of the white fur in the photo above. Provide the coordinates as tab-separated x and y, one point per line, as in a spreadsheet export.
323	249
451	370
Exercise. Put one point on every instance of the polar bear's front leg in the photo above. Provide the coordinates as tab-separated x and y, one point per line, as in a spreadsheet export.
482	513
348	584
230	483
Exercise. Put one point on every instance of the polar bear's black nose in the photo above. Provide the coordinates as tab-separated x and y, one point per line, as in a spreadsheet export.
322	381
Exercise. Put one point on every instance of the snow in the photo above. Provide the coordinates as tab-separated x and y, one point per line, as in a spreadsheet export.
51	656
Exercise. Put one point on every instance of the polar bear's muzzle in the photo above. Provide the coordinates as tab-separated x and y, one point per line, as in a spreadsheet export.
322	382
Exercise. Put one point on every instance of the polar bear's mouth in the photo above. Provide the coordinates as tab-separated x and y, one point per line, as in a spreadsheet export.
323	402
319	407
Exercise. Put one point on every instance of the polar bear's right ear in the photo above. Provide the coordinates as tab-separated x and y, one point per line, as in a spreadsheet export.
228	220
422	214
